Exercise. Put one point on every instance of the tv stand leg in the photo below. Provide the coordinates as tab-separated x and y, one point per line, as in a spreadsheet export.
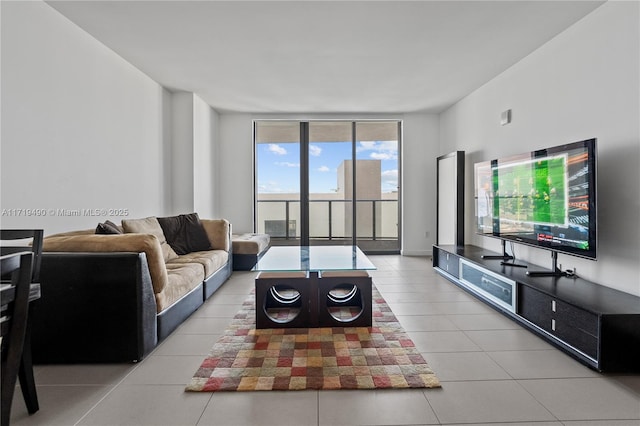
554	272
557	273
504	255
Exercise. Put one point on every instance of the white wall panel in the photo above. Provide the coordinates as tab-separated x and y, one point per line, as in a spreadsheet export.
82	129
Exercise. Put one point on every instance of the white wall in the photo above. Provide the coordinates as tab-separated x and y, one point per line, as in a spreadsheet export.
81	127
236	171
584	83
419	153
182	152
194	130
419	150
205	178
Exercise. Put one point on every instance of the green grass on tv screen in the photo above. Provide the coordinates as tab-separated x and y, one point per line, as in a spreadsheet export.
533	191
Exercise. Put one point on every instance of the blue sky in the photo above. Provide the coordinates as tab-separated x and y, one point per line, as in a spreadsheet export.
279	164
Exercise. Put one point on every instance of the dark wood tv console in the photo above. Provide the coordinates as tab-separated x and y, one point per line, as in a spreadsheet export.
597	325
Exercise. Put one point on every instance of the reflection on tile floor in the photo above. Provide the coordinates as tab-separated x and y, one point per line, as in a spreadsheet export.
492	372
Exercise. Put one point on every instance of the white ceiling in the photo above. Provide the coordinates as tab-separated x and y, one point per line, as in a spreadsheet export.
324	56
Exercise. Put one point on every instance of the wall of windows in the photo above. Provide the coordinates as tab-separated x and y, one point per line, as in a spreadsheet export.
328	182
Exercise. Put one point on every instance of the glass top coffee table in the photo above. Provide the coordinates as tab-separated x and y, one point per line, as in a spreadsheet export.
313	286
314	259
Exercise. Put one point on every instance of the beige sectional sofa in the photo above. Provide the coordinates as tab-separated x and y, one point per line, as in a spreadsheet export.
113	297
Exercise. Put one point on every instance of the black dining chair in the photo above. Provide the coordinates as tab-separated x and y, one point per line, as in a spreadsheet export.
13	325
16	241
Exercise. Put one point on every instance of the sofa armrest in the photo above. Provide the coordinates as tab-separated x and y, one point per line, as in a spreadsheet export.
95	307
96	243
219	233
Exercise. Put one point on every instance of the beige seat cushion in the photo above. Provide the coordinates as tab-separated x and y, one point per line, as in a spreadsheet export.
182	278
250	243
211	260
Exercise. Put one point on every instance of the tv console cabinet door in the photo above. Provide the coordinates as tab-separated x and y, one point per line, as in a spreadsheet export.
578	328
574	326
448	262
535	307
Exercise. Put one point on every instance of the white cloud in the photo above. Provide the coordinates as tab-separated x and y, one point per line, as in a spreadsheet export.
324	169
277	149
274	187
365	146
389	180
381	156
389	145
287	164
382	150
271	186
315	150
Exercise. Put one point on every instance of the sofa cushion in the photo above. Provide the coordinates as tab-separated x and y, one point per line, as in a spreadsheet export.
108	228
73	233
86	241
219	233
211	260
250	243
185	233
182	278
151	226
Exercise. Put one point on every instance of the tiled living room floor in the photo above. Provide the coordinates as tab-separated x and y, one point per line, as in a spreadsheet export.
492	372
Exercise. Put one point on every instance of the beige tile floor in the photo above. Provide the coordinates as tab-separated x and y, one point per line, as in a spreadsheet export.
493	372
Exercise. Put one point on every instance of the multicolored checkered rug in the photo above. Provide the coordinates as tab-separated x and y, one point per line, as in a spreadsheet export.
377	357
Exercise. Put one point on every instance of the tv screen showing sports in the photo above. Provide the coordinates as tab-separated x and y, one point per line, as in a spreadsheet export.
545	198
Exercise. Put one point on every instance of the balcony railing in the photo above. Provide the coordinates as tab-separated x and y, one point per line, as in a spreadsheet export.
376	219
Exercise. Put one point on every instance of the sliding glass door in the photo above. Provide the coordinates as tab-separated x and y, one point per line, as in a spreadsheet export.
277	177
328	182
330	195
377	186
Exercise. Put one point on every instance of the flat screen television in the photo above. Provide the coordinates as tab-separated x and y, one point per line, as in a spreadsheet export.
545	198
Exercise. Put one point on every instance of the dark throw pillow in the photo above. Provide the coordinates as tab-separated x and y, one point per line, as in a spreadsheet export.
108	228
185	233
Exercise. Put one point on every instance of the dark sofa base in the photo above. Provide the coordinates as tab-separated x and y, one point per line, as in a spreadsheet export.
245	262
95	307
172	317
215	280
100	307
